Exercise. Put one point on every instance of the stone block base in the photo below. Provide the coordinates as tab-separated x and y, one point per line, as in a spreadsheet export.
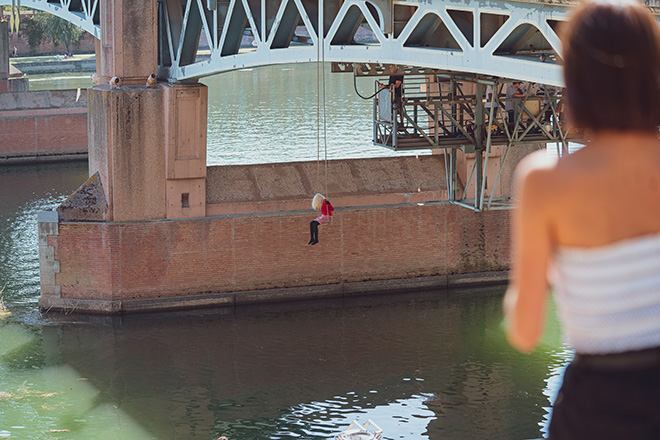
232	299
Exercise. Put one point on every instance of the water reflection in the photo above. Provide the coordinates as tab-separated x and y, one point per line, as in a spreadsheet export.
60	81
560	360
271	114
27	190
432	365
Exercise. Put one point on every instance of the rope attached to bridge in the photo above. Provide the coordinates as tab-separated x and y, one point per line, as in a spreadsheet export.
320	93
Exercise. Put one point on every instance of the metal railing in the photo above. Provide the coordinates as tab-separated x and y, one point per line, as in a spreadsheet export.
437	112
471	114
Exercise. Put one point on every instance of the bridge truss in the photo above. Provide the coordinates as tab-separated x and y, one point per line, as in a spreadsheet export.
498	38
204	37
82	13
470	42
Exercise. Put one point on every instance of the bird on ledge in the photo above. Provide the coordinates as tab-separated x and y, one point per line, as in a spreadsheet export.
151	81
115	82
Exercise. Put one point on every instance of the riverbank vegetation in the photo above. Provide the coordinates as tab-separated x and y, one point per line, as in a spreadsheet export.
42	33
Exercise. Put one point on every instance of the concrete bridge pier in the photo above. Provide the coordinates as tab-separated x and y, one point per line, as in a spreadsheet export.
11	80
147	161
4	51
148	145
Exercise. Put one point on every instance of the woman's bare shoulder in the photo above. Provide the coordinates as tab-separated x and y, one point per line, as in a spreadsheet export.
536	169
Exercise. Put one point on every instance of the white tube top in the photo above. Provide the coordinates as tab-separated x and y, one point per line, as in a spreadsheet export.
608	297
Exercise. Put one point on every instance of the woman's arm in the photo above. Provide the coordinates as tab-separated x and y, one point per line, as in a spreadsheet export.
526	297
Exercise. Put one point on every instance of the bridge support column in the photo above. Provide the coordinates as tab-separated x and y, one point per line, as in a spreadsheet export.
129	40
16	82
4	51
148	145
479	132
496	162
125	132
185	121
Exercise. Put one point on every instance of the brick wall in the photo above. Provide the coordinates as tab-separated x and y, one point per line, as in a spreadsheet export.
248	253
43	124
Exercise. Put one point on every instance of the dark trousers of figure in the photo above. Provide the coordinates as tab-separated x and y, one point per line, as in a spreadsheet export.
398	108
313	232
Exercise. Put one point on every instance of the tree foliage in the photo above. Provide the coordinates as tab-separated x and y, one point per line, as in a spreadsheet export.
34	33
49	26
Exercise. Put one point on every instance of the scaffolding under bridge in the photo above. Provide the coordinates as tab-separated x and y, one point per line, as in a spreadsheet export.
449	111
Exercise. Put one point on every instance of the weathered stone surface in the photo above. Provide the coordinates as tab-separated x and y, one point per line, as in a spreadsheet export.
301	180
126	148
88	203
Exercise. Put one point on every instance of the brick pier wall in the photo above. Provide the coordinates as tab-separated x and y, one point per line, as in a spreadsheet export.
234	259
392	231
43	125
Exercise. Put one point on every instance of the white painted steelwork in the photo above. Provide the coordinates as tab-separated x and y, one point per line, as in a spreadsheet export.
497	38
82	13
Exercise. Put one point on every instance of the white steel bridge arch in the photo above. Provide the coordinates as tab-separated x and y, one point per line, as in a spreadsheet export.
412	40
496	38
82	13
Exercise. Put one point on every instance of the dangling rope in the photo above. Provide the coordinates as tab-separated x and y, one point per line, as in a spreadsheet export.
325	126
320	93
318	110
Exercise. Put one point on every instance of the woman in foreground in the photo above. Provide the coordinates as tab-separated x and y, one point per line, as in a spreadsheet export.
589	224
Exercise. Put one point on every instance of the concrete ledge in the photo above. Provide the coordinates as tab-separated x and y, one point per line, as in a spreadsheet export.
356	182
396	285
43	112
43	100
47	158
477	279
233	299
67	305
288	294
58	66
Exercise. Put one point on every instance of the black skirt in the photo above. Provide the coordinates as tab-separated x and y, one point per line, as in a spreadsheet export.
609	397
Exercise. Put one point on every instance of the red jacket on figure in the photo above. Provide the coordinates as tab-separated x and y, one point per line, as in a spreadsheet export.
327	208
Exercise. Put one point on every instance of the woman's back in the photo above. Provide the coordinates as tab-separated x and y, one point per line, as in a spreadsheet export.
606	192
593	218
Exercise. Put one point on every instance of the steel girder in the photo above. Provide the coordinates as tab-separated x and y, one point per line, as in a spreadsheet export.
199	38
82	13
496	38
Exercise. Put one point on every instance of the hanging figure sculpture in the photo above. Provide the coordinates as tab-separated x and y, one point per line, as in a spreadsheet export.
319	203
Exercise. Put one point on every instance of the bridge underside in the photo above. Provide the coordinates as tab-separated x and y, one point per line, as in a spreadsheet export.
503	39
197	38
470	113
